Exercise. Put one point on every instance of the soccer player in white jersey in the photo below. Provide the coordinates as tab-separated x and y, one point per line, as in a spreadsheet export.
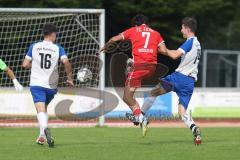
42	57
182	80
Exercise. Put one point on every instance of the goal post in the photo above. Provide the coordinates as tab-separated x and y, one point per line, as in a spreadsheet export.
102	57
225	72
81	33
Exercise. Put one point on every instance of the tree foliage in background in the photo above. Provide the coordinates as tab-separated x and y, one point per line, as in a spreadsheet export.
218	20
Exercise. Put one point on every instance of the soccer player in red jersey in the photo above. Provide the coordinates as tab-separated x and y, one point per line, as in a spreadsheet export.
145	45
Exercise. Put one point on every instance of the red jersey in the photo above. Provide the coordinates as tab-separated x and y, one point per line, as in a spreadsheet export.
145	42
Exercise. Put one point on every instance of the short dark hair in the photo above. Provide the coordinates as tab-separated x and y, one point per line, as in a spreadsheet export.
191	23
49	29
139	19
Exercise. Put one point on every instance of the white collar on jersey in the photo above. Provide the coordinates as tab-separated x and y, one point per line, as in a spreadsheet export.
47	41
191	37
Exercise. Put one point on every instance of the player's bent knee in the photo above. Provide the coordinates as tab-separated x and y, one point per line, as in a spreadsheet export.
132	89
153	93
40	107
156	92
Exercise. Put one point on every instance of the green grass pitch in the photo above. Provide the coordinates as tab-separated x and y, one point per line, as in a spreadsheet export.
120	144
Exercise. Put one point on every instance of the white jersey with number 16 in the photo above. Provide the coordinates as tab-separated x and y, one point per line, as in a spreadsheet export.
45	56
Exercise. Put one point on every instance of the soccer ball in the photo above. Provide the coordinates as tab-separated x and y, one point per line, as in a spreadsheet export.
84	75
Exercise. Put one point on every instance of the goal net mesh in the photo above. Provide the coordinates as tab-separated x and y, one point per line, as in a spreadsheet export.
79	34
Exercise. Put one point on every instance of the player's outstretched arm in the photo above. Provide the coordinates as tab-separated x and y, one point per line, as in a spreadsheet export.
112	40
174	54
11	75
162	49
68	70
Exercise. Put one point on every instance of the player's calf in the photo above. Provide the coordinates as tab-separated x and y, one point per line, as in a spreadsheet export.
159	90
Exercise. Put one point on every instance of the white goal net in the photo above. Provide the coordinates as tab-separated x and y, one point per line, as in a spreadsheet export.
78	34
81	33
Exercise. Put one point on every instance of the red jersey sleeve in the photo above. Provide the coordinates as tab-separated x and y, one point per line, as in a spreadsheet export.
127	34
160	39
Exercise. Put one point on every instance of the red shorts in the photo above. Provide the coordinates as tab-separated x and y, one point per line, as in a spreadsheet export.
138	73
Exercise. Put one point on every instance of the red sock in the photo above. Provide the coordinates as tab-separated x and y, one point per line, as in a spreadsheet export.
137	111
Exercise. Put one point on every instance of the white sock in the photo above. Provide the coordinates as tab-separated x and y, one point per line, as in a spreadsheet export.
187	119
43	121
